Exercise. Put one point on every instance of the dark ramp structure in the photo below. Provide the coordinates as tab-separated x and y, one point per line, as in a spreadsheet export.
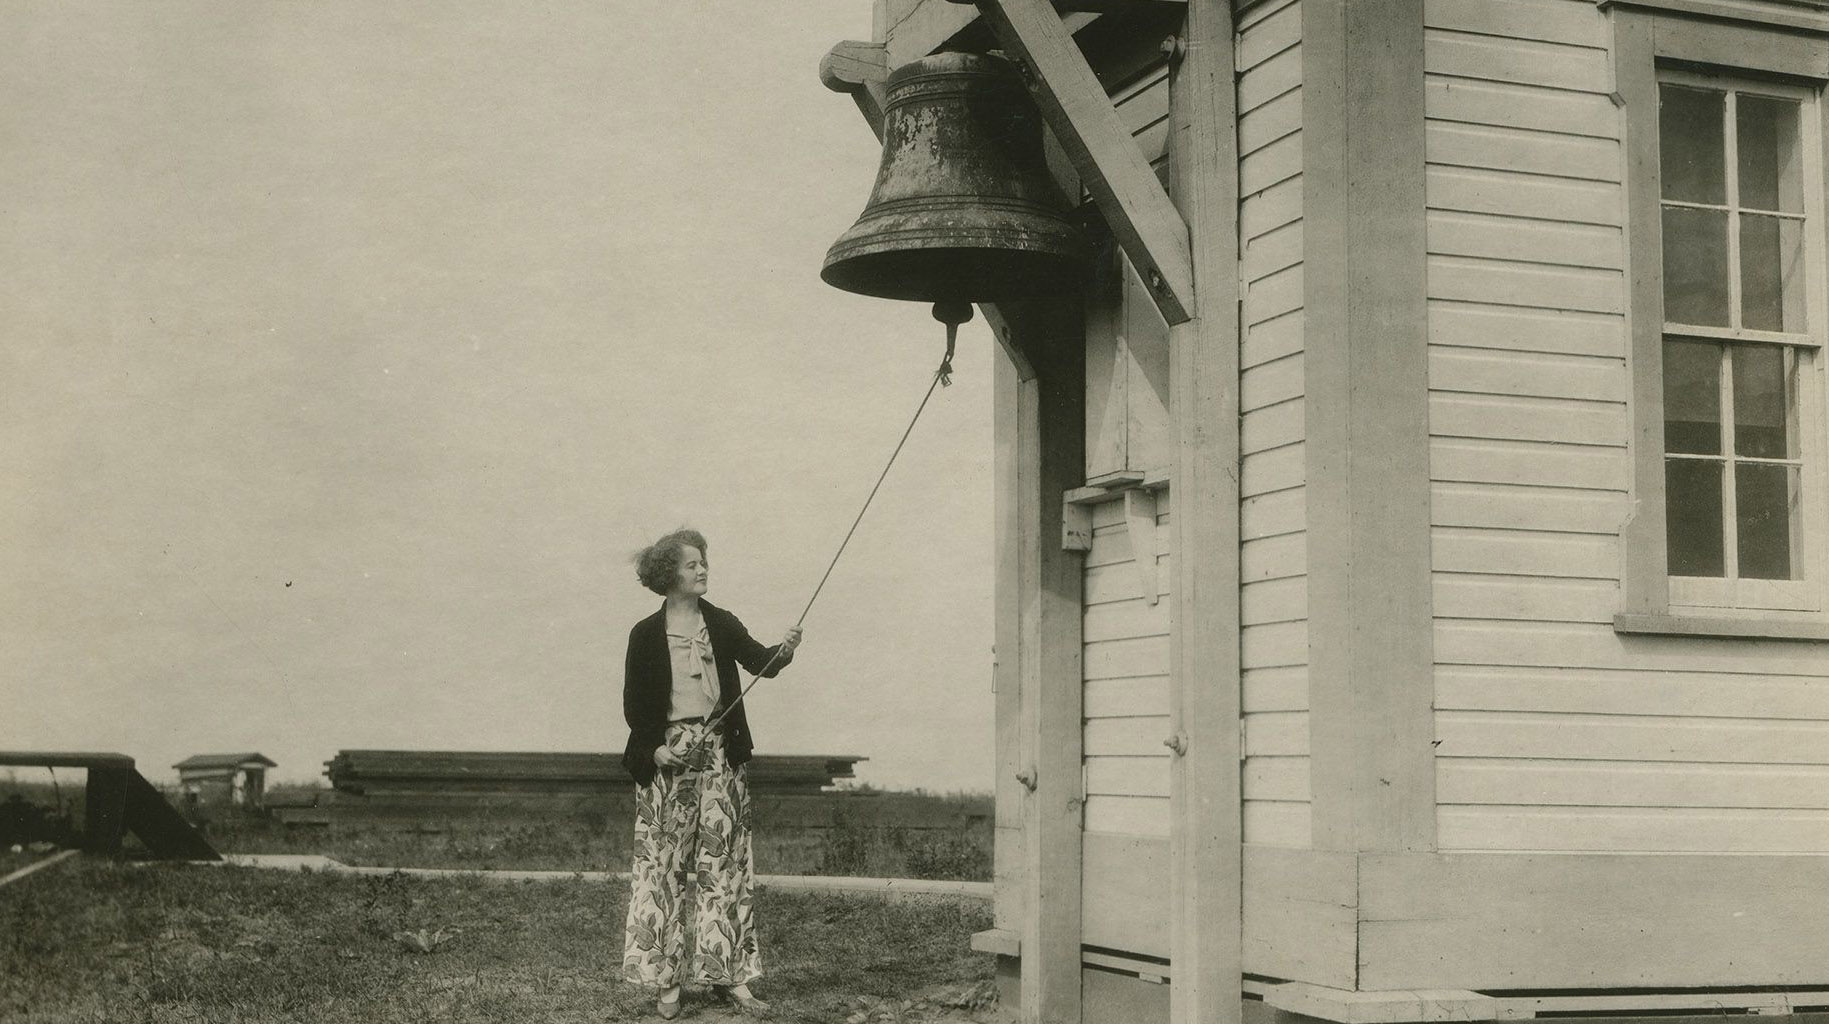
118	800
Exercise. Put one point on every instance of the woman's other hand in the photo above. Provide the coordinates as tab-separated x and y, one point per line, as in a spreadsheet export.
664	757
791	640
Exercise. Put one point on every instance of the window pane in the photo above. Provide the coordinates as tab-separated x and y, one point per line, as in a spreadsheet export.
1765	402
1692	517
1692	397
1771	273
1695	267
1767	525
1771	160
1691	152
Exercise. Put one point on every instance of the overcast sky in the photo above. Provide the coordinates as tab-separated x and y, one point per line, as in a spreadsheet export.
350	348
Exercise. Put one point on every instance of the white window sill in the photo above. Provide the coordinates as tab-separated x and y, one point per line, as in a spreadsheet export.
1687	624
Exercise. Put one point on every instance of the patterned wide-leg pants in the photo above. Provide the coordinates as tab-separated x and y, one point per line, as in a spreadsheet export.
697	821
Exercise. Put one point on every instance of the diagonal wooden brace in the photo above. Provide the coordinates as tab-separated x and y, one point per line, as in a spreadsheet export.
1110	164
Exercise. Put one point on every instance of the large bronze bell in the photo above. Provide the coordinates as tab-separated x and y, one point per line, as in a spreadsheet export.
963	209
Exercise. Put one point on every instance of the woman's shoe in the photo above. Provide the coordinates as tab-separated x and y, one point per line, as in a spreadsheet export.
669	1008
744	1001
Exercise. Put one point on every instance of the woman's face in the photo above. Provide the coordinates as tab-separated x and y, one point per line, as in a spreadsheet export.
694	576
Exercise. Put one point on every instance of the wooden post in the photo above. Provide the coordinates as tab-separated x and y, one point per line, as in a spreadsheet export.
1206	870
1371	647
1050	435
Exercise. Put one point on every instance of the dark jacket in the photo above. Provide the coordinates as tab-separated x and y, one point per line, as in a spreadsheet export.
647	684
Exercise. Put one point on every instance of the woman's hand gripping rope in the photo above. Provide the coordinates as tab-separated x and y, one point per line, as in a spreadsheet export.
952	314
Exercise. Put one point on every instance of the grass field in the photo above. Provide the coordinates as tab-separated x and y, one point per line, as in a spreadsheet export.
95	942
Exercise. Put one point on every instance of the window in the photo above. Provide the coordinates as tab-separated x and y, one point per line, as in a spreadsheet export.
1729	306
1738	202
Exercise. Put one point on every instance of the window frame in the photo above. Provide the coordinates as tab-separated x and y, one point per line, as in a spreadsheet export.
1657	41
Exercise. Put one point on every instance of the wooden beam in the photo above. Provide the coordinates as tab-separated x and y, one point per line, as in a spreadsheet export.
1371	626
1109	162
1206	852
858	70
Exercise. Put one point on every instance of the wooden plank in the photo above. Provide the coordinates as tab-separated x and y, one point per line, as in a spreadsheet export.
1274	295
1118	996
1277	119
1526	553
1276	778
1555	21
1665	784
1636	830
1111	167
1122	698
1514	194
1276	470
1505	507
1268	37
1474	642
1525	284
1528	374
1274	207
925	25
1630	692
1273	558
1276	689
1272	340
1743	46
1523	61
1530	151
1272	382
1368	475
1274	733
1508	105
1126	620
1123	659
1283	600
1128	776
1301	914
1463	596
1527	419
1135	736
1273	515
1128	815
1272	78
1510	921
1278	822
1520	329
1271	252
1631	738
1125	892
1459	460
1525	241
1118	582
1277	162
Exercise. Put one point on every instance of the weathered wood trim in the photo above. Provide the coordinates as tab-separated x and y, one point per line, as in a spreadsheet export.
1206	865
1801	15
1301	915
1366	418
1722	627
1111	166
1742	47
1008	853
1645	586
858	70
1050	428
1580	921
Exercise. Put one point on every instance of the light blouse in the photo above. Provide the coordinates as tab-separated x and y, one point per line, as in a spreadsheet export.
695	675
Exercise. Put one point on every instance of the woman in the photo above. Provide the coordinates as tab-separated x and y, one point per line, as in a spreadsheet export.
681	670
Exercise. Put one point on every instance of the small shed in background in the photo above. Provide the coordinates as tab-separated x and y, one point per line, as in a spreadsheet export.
224	780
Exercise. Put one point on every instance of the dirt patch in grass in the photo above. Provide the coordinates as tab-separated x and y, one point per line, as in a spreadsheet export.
89	942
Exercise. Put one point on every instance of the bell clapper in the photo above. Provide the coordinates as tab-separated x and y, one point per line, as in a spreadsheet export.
952	314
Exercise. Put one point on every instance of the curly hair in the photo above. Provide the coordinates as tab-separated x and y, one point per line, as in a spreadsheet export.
658	564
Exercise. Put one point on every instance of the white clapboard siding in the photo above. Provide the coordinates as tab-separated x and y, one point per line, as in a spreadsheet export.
1632	692
1272	429
1125	695
1527	150
1540	509
1479	324
1554	731
1679	830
